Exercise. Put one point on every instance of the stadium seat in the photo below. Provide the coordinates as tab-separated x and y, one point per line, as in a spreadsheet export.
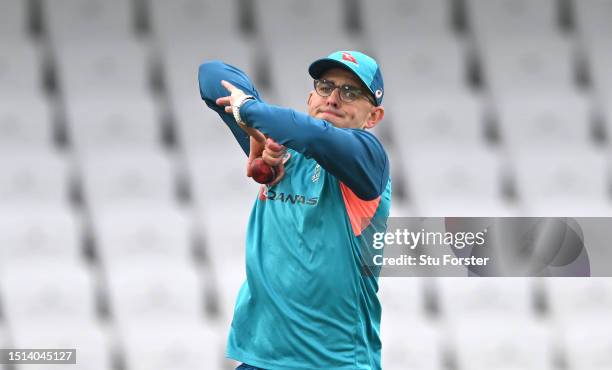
33	178
587	344
113	124
528	67
593	19
397	20
296	21
557	120
455	180
572	299
191	19
463	299
403	295
200	130
410	343
435	120
4	342
128	178
14	20
25	124
44	292
81	21
563	182
38	233
153	293
180	63
503	19
20	70
503	343
137	236
117	69
91	341
229	169
187	345
599	56
434	65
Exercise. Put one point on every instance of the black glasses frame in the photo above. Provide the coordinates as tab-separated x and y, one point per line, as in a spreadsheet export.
359	92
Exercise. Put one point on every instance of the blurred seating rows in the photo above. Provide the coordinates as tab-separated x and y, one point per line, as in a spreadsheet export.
117	181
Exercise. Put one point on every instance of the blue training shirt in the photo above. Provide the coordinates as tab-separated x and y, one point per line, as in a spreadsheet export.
309	301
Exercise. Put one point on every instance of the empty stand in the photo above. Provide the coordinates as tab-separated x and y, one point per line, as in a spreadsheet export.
539	122
48	235
36	177
149	293
403	296
506	19
455	180
599	57
20	70
593	19
438	120
14	20
411	344
180	62
84	21
135	236
587	343
434	65
387	20
25	124
191	19
564	182
292	21
104	69
90	339
128	178
44	292
503	343
462	299
118	125
572	300
188	345
202	132
528	66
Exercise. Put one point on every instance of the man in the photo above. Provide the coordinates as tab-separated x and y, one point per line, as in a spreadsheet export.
310	301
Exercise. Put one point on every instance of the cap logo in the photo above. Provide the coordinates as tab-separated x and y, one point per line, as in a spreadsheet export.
378	94
349	57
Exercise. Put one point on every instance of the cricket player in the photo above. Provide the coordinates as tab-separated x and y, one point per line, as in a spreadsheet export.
309	300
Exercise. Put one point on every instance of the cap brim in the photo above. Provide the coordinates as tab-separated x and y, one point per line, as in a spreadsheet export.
320	66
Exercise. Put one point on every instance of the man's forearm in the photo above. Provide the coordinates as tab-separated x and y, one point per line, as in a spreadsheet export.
355	156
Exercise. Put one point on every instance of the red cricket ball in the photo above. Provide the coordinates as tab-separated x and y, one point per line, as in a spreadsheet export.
262	173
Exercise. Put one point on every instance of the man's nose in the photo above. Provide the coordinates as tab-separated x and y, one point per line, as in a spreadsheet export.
334	98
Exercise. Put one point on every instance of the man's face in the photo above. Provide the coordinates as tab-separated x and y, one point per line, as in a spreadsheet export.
359	113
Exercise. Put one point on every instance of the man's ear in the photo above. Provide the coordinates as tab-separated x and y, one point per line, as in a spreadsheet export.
309	97
376	115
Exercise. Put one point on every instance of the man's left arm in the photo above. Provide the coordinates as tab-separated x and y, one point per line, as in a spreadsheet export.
354	156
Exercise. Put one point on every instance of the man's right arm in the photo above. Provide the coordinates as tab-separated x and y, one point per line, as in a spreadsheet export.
210	75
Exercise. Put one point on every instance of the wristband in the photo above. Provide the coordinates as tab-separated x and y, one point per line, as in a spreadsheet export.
236	108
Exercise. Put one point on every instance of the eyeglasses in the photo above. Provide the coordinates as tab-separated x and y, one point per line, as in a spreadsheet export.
348	93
